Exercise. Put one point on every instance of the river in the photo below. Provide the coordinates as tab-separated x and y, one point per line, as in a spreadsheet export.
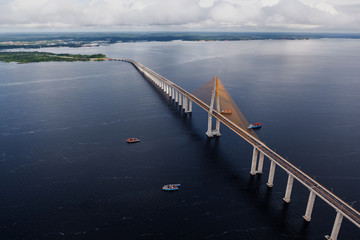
66	171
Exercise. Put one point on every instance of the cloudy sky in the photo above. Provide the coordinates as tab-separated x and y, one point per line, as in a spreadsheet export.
175	15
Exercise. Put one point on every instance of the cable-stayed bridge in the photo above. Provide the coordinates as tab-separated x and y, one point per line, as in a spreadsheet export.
219	98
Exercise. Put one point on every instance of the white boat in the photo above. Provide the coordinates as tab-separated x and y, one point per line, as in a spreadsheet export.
171	187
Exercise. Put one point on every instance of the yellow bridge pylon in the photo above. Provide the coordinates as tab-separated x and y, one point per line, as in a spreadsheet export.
221	101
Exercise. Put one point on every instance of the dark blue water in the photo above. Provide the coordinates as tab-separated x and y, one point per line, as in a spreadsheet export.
66	171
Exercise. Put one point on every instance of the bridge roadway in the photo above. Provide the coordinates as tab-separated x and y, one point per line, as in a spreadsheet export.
339	205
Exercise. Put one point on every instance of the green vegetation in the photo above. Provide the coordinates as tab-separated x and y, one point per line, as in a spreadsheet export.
30	57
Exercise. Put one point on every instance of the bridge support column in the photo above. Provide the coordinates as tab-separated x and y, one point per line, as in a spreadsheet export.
167	89
257	167
217	127
190	106
336	227
180	96
310	206
210	132
270	182
254	161
176	96
289	186
185	104
261	163
173	94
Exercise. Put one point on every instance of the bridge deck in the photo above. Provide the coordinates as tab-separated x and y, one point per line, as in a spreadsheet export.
330	198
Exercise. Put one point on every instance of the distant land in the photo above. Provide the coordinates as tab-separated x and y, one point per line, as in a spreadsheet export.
31	57
94	39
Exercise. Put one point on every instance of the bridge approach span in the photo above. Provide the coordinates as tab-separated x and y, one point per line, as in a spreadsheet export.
342	208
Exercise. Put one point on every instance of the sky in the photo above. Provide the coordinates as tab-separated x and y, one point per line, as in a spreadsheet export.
180	15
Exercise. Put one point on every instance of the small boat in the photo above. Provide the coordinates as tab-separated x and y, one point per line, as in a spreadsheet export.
254	125
226	112
171	187
132	140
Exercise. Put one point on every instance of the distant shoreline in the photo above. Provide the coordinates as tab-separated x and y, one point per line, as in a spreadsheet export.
10	41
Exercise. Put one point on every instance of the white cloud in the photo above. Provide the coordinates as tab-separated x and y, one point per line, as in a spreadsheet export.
321	5
290	13
206	3
228	13
262	15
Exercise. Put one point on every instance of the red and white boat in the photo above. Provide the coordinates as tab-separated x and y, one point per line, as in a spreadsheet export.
254	125
132	140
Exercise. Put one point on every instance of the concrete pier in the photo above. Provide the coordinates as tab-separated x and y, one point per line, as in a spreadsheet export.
336	227
310	206
185	104
270	182
261	163
288	188
254	161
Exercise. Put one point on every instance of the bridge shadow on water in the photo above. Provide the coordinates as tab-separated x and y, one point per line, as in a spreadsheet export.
257	194
253	189
177	109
